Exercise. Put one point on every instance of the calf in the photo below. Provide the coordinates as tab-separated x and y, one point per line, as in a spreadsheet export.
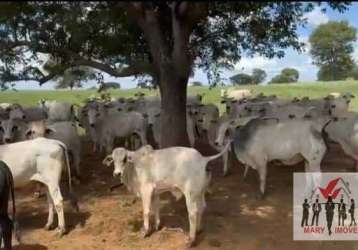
180	170
6	224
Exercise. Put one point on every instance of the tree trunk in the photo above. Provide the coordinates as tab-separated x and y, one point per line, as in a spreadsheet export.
173	115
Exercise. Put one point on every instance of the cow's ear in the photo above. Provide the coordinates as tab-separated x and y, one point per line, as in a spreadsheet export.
145	150
108	160
28	133
8	109
49	131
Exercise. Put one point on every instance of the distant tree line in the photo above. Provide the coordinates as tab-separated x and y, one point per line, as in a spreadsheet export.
257	76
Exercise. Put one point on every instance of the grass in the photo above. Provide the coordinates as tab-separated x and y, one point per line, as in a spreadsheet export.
313	90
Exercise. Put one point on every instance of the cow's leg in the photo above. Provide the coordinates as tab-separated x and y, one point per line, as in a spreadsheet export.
225	159
246	171
201	208
6	225
109	145
57	198
193	211
138	142
262	171
76	164
143	136
146	194
127	142
51	210
156	206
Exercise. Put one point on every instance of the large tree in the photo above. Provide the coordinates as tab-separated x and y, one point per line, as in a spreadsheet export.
332	48
258	76
165	40
287	75
241	79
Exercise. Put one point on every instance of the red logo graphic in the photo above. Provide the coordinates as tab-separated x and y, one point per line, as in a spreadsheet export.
329	189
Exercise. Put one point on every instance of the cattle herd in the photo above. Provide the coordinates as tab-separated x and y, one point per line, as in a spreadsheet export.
255	128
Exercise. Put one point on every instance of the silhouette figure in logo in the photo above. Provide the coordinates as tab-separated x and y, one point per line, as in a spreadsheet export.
305	214
341	213
316	209
351	211
329	213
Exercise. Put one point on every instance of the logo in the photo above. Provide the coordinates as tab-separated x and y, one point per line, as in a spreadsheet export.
324	206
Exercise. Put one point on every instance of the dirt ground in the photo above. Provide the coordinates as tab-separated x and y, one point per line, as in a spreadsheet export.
234	218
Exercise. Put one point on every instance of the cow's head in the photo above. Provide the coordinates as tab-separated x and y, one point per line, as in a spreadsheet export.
16	111
119	158
95	112
38	129
9	128
122	158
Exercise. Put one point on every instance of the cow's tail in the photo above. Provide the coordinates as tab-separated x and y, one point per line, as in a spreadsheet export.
213	157
15	223
73	198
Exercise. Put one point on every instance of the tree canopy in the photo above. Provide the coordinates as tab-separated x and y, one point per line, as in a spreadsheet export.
258	76
287	75
74	77
241	79
93	34
163	40
332	48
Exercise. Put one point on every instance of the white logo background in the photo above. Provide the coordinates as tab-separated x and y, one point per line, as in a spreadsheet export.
306	187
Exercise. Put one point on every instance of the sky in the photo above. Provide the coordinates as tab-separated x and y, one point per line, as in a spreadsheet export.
301	61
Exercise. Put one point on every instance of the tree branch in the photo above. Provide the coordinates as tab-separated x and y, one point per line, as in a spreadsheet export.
136	68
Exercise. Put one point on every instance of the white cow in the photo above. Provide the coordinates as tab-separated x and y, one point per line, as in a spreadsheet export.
41	160
110	126
58	111
236	94
180	170
290	141
204	114
344	130
66	132
28	114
